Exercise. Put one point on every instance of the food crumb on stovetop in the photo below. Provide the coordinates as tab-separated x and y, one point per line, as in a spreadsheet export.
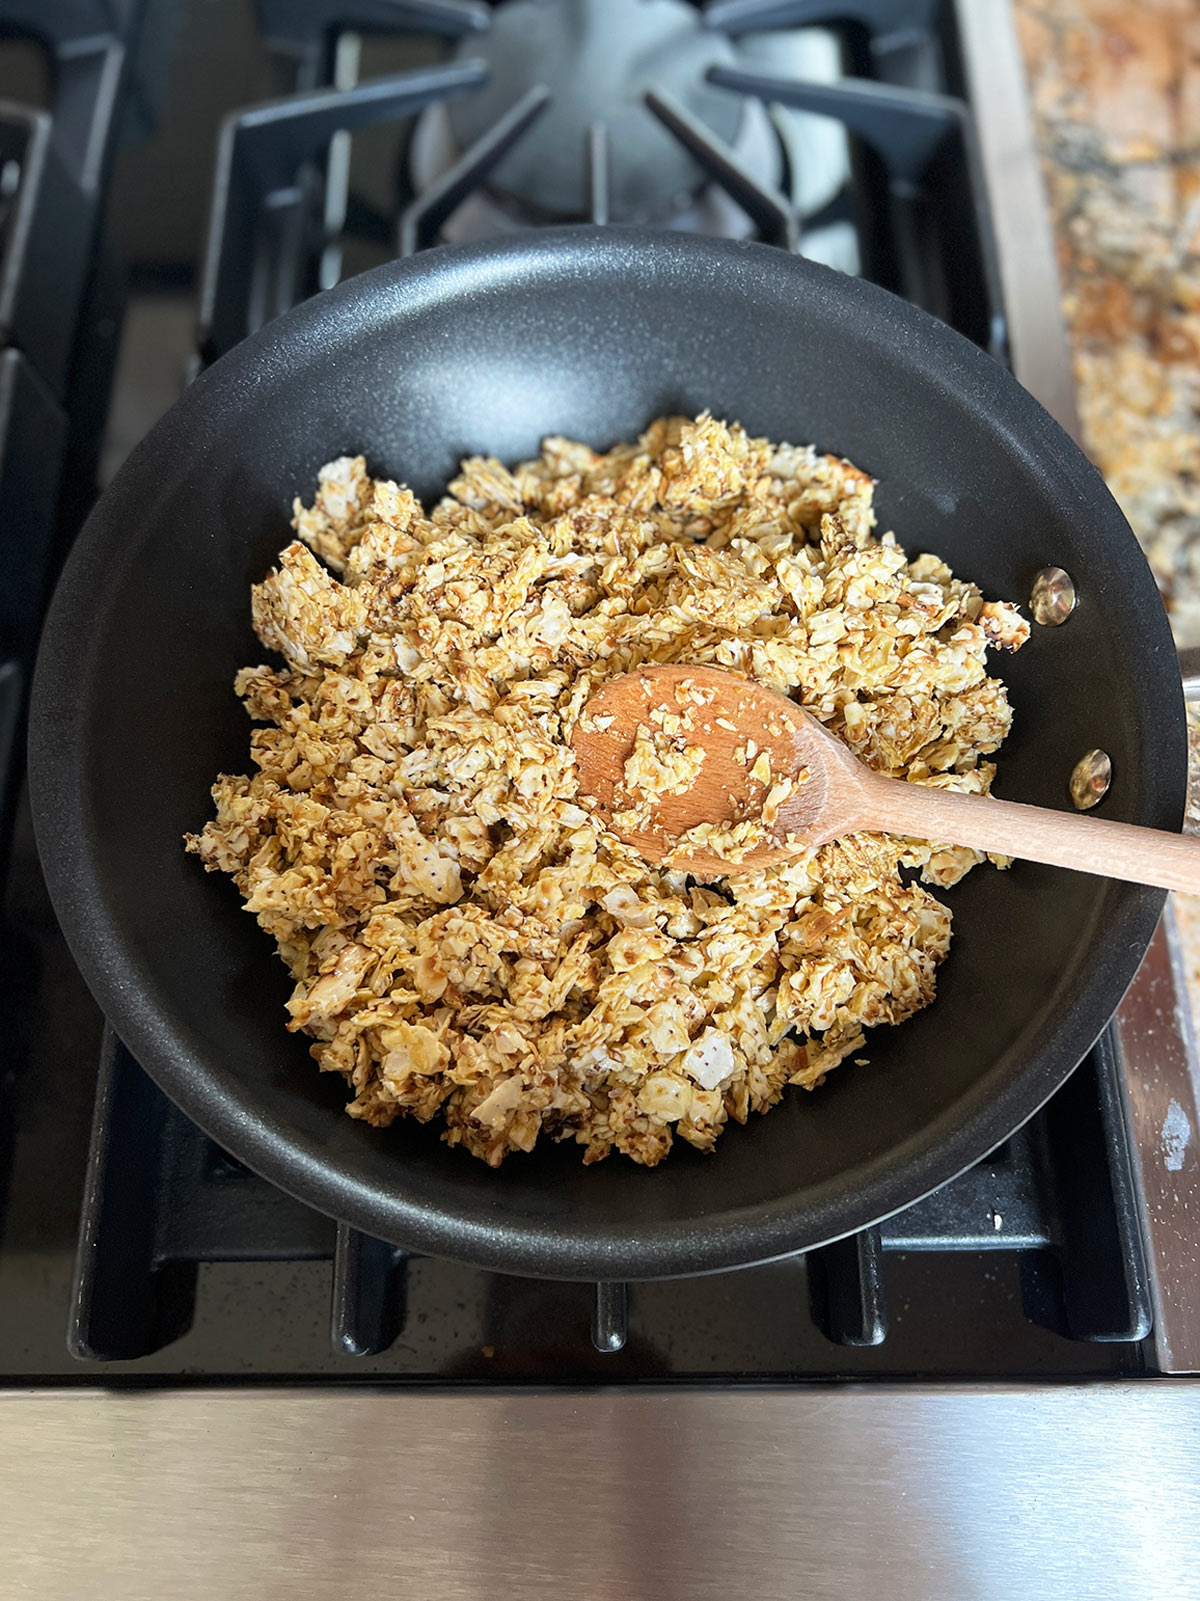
467	939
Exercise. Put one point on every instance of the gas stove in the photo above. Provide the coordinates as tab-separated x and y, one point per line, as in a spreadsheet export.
173	174
883	137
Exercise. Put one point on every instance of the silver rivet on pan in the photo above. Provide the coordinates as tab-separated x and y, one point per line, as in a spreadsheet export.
1090	779
1052	599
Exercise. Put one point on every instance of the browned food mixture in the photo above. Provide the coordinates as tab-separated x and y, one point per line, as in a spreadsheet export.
466	939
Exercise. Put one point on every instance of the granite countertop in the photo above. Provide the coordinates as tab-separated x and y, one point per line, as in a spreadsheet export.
1115	88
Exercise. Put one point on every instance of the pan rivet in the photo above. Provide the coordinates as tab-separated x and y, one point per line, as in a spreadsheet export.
1090	779
1052	599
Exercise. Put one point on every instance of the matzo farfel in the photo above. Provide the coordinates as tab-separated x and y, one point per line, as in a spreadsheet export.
466	938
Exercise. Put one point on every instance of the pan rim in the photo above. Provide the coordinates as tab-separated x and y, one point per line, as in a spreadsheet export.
58	738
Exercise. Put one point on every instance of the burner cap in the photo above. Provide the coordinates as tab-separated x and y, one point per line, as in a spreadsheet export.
598	57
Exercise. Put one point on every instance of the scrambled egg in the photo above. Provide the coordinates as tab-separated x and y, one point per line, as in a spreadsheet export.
467	940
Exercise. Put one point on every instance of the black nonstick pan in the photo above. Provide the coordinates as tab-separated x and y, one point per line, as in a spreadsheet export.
590	333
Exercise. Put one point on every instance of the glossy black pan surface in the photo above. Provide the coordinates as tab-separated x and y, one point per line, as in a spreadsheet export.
590	333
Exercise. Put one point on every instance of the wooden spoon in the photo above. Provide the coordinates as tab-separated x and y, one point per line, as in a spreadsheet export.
649	714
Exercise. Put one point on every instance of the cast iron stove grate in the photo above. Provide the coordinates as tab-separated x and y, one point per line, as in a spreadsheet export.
60	305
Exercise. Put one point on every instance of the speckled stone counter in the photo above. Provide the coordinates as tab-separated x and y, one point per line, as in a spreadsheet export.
1115	87
1116	95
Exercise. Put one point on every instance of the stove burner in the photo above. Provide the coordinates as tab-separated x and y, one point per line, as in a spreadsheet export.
599	58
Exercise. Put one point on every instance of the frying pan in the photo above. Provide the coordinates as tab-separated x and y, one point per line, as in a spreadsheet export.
590	333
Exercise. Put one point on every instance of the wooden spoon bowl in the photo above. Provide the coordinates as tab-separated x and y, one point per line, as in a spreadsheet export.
736	722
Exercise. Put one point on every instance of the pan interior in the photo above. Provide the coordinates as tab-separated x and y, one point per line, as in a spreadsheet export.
590	334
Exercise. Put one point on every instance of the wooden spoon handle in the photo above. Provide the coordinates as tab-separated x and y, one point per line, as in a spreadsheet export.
1062	839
